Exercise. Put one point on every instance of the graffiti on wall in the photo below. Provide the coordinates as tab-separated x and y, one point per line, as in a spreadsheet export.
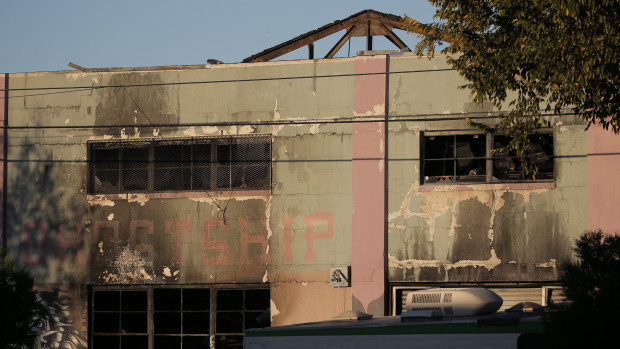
54	324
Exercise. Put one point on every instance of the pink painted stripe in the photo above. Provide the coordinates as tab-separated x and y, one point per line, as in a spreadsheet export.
603	188
368	246
3	104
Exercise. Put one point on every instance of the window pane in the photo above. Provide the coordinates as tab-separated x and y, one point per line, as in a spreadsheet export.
167	322
106	342
201	167
134	342
105	168
257	319
167	342
257	299
106	322
106	158
223	177
439	147
107	300
197	342
505	164
196	323
229	300
224	153
167	299
229	322
168	165
201	152
470	158
134	300
196	299
227	341
134	322
257	176
540	156
237	177
135	167
439	159
201	178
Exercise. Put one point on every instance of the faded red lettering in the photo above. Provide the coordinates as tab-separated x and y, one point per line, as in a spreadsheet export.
310	220
287	256
214	245
179	226
247	239
30	230
77	243
134	225
101	225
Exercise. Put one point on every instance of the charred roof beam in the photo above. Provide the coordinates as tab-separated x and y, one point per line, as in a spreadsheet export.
366	23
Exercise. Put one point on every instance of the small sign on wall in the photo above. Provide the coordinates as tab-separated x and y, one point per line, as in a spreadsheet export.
339	277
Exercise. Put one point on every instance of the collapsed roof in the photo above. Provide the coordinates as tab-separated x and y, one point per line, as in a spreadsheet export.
366	23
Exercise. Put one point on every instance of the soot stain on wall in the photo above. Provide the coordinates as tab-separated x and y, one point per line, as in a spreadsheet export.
471	233
128	105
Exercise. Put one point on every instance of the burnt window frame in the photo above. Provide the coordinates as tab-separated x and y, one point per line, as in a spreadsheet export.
537	152
153	337
192	164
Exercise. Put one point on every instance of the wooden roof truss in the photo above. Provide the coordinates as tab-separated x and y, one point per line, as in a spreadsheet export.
367	24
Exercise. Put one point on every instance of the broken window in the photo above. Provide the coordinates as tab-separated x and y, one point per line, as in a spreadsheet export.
539	155
175	317
481	158
192	164
454	158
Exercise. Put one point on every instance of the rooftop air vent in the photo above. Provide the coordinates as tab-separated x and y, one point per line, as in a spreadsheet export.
453	302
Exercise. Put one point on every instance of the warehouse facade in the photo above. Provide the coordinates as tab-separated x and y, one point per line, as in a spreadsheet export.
182	205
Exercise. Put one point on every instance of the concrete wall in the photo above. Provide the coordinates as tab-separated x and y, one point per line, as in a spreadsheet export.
288	236
482	232
330	205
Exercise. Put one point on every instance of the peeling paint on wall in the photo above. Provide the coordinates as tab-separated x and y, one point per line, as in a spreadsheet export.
190	131
210	130
425	263
129	266
273	310
141	199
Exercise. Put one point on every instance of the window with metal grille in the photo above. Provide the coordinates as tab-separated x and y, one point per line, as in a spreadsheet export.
477	158
176	317
180	164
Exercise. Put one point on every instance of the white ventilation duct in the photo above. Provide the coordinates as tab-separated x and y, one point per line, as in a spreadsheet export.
437	302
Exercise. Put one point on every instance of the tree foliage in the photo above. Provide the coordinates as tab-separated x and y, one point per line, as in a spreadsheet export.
592	287
17	302
552	55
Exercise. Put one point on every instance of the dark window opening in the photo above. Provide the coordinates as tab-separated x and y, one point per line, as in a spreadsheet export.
239	310
120	319
457	158
179	317
484	159
539	155
191	164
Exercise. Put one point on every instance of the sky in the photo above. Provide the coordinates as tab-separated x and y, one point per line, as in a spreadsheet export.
45	35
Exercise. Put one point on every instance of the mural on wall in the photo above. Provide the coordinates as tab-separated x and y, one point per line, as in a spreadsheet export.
54	323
